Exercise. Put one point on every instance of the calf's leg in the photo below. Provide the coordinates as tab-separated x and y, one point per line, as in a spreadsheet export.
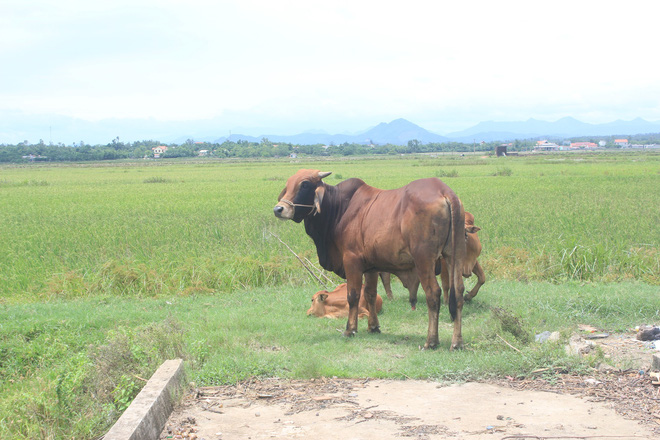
386	278
481	279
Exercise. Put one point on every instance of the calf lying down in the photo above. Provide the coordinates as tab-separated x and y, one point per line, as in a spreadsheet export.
335	305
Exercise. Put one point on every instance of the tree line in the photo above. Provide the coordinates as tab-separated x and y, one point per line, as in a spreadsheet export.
116	149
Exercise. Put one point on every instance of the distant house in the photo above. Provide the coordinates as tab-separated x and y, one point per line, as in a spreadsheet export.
623	143
585	145
546	146
33	157
203	153
159	150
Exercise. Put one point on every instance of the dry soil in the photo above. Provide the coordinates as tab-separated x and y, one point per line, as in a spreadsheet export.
614	403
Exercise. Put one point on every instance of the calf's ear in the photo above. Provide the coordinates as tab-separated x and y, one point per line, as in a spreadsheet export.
318	198
281	194
323	297
472	229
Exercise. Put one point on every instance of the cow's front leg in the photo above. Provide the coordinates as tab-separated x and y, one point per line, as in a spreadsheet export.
353	288
370	291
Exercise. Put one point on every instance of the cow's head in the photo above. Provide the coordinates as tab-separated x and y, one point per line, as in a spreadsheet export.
470	228
301	196
318	304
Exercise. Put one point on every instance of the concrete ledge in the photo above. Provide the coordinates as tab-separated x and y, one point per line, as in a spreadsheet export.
146	416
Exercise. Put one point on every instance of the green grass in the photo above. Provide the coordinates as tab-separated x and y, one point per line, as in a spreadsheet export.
134	229
70	367
108	269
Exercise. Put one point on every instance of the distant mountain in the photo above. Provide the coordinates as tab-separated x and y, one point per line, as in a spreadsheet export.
15	128
565	127
397	132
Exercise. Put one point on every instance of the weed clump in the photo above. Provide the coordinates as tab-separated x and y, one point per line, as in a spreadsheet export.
130	357
443	173
157	179
505	172
512	324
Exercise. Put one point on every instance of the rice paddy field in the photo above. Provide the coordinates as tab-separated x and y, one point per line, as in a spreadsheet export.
107	269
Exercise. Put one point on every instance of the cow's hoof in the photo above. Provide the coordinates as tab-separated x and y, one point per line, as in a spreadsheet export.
413	308
456	346
428	346
349	333
374	330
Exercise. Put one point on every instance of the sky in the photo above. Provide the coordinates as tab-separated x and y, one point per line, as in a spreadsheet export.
290	66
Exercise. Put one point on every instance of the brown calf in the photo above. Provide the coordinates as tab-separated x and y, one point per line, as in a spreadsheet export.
335	305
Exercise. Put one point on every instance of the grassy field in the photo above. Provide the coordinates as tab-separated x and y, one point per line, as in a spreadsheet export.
127	229
108	269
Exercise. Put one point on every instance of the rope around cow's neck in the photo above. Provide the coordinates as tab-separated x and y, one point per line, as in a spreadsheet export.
293	205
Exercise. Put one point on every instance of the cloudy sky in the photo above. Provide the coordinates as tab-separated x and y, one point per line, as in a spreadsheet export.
287	66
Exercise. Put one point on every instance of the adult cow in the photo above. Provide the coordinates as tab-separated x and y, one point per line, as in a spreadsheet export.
410	280
360	230
335	305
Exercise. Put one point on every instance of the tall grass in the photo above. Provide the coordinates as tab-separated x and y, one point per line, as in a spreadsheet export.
92	230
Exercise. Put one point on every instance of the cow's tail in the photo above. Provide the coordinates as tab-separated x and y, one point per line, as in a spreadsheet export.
457	251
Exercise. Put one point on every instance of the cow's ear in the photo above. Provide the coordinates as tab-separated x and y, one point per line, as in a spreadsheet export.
323	297
281	194
472	229
323	174
318	197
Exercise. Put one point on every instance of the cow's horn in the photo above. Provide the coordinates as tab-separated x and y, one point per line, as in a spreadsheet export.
323	174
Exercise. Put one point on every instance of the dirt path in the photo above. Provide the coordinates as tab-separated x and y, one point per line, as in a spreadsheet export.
617	403
389	409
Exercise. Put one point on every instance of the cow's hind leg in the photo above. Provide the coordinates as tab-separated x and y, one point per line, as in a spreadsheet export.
370	288
425	270
456	289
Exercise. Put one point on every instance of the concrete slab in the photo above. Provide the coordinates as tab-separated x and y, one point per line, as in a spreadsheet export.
145	417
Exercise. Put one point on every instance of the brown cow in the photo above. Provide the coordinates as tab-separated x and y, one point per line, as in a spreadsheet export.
335	305
473	249
360	230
